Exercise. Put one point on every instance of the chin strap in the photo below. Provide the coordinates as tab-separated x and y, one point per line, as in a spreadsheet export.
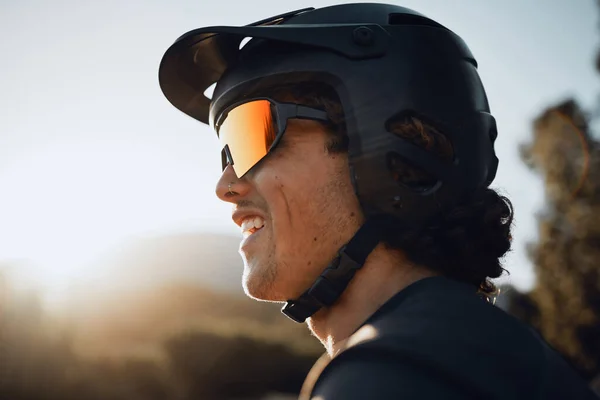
331	283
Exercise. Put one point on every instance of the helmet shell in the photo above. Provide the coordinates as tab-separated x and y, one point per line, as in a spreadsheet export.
382	60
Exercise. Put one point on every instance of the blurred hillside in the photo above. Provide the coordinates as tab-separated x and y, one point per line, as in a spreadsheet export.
137	322
210	260
158	318
169	342
161	286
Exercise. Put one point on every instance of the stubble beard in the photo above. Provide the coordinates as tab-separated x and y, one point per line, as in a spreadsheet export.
259	281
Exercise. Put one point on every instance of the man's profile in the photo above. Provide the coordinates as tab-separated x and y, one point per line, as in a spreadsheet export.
357	151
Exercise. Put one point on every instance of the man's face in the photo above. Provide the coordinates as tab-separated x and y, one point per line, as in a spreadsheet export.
302	196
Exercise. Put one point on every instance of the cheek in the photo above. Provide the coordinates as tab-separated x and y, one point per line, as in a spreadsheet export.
308	198
288	196
306	207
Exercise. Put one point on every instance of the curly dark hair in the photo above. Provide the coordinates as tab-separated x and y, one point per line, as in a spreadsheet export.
466	243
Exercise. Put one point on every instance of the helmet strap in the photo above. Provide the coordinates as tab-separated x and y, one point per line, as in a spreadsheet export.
333	281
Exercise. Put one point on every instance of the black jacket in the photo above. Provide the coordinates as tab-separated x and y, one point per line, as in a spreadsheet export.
438	339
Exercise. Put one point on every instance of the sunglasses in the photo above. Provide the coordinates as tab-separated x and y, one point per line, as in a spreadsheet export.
250	129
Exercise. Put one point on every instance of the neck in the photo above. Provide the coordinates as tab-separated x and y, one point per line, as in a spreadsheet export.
384	274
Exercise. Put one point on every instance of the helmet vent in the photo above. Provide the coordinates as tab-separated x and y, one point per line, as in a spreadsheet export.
409	175
244	42
208	93
411	19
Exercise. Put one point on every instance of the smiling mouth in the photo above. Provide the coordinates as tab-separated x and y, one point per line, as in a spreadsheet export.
252	225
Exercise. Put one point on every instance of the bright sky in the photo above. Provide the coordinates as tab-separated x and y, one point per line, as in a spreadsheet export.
91	152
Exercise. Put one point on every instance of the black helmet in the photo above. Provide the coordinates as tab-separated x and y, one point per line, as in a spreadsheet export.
382	60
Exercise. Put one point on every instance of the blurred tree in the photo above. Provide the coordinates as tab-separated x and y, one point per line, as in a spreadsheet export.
565	303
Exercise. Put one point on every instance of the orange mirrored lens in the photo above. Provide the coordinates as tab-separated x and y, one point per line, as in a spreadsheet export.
249	131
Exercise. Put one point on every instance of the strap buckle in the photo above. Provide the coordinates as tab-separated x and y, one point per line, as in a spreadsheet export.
326	290
332	282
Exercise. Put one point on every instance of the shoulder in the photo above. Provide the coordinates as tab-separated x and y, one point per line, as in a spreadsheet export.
445	343
368	373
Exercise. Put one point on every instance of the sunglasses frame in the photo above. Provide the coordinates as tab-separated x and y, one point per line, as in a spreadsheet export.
281	111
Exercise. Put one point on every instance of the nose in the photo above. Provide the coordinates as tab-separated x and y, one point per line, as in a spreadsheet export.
230	188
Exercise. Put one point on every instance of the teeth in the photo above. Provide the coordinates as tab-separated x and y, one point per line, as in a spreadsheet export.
249	225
